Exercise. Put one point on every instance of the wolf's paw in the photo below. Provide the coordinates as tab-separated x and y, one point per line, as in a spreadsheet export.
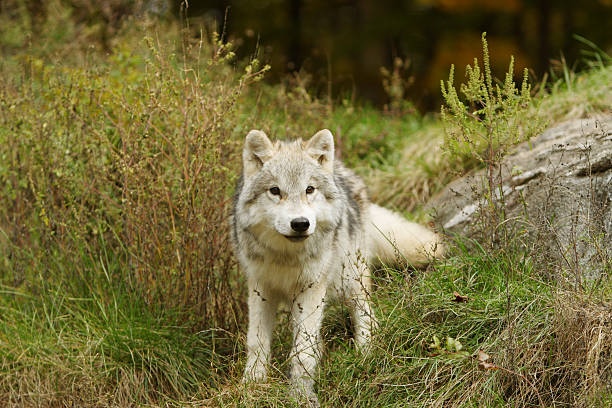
255	374
303	391
306	399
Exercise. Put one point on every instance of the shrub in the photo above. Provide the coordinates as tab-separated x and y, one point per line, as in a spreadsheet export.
492	117
484	125
131	161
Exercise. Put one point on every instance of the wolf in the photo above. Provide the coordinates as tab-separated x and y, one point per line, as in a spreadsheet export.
304	232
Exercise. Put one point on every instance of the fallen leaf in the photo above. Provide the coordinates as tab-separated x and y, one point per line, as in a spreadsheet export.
482	356
483	364
459	298
487	366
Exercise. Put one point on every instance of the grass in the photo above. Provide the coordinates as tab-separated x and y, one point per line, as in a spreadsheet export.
117	284
89	351
517	318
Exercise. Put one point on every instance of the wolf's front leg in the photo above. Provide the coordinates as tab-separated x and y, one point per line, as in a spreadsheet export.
356	288
364	321
307	314
262	316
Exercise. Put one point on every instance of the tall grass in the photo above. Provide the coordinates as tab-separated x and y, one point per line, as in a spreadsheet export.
127	158
115	180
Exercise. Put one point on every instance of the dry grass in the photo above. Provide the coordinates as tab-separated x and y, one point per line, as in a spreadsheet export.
583	332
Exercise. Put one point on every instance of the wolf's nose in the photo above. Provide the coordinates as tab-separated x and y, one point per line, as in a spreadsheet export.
300	224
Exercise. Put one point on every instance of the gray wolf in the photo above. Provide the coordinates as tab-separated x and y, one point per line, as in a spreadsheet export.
304	232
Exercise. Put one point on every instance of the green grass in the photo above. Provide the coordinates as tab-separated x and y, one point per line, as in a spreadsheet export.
509	314
117	284
514	316
57	348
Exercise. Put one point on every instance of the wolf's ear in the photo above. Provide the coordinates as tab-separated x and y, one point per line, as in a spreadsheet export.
321	148
258	149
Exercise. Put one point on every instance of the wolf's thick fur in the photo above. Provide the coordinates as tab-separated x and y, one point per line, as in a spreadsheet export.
304	230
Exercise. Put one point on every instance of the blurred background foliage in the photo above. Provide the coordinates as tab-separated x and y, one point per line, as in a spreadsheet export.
344	43
349	40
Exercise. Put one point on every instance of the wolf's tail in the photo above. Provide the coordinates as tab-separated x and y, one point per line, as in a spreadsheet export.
390	235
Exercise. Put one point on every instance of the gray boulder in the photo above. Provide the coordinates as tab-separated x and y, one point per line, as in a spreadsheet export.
556	192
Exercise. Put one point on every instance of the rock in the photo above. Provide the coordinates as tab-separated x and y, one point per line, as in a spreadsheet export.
557	189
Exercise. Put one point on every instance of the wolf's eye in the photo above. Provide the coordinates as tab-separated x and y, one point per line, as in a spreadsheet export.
310	190
275	191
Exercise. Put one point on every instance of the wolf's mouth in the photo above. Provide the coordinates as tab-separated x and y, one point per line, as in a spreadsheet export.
296	238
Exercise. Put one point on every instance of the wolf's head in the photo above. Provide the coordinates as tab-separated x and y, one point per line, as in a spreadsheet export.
288	190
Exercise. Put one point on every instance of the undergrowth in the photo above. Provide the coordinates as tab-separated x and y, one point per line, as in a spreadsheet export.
117	284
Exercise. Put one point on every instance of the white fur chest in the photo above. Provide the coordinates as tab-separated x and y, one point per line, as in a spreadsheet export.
289	272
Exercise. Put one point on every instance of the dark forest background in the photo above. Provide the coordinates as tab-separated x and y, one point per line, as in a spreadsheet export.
350	40
341	45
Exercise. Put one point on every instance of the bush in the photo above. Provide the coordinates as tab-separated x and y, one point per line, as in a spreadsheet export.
484	127
493	118
130	161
